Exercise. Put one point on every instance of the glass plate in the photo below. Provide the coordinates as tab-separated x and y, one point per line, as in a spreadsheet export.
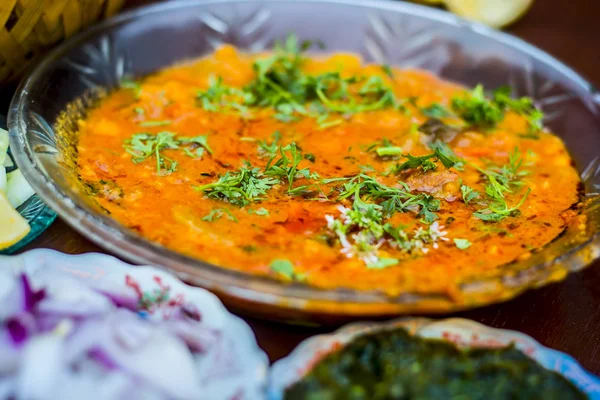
398	33
36	212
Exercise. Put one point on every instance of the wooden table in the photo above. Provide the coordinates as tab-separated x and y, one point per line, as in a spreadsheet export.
564	316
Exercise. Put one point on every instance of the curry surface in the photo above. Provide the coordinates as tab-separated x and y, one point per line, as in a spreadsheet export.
166	208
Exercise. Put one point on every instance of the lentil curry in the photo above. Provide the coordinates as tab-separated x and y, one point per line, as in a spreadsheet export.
326	170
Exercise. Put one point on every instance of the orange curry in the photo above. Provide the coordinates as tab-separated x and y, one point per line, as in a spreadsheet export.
325	170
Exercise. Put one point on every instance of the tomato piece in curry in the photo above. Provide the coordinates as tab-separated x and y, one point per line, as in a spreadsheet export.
327	170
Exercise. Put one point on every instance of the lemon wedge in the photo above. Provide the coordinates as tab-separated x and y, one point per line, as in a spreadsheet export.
13	227
495	13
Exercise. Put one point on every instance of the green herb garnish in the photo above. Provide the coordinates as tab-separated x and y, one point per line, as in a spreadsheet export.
259	211
281	85
145	145
468	194
502	180
436	111
241	187
477	110
218	213
286	166
132	85
148	124
269	149
391	151
388	71
219	98
462	244
382	263
195	146
286	269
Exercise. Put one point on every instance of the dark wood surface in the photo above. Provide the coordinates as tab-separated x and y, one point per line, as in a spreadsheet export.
564	316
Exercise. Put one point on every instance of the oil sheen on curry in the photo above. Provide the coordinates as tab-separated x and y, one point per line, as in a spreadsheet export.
326	170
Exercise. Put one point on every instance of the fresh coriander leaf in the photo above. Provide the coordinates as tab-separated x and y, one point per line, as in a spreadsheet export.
241	187
139	111
144	145
523	106
498	209
429	205
324	123
310	157
283	267
390	151
269	149
475	109
286	269
445	154
218	213
382	263
424	162
196	143
197	153
462	244
468	194
133	85
260	211
388	71
221	98
286	166
147	124
436	111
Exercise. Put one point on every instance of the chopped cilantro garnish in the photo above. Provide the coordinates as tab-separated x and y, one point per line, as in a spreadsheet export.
382	263
286	269
468	193
241	187
477	110
219	97
145	145
424	162
196	145
132	85
310	157
462	244
280	84
436	111
388	71
445	154
502	180
269	149
260	211
218	213
286	166
390	151
148	124
441	152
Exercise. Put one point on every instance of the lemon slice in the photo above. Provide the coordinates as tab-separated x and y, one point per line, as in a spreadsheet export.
13	227
495	13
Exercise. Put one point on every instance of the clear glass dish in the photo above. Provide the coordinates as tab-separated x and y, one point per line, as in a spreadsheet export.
407	35
34	210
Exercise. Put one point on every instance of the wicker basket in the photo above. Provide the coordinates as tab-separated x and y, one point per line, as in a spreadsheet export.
28	27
